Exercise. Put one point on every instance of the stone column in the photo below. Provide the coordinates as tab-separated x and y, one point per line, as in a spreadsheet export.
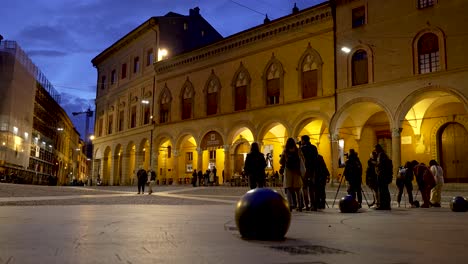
175	166
396	149
200	159
227	164
112	170
125	165
156	165
335	154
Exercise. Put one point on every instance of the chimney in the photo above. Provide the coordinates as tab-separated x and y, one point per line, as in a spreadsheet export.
266	20
195	11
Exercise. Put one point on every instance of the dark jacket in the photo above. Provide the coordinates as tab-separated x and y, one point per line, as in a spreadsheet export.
353	170
310	154
255	165
142	176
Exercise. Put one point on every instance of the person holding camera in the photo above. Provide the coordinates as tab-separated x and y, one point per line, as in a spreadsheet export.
353	174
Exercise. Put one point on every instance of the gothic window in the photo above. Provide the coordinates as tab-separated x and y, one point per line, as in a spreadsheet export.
309	77
359	66
273	84
121	120
187	101
240	88
110	124
212	96
136	64
359	16
164	106
146	113
124	71
428	53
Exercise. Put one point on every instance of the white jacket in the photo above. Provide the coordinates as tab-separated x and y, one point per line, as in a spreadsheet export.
438	174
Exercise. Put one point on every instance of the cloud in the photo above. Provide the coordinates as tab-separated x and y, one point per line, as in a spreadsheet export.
46	53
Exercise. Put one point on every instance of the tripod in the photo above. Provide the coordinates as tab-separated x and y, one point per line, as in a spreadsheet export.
339	186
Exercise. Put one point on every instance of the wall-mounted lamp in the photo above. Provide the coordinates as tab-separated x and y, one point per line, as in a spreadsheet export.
345	49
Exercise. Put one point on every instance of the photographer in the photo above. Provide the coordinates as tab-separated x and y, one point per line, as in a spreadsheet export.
353	174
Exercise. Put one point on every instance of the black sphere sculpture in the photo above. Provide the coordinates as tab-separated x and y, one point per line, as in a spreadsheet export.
458	204
348	204
263	214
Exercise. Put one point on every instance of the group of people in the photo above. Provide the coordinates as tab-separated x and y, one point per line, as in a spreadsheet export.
204	179
429	179
379	175
144	177
303	170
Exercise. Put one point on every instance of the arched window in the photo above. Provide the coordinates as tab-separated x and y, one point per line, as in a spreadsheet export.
187	101
165	106
212	95
241	84
309	77
360	69
428	53
273	84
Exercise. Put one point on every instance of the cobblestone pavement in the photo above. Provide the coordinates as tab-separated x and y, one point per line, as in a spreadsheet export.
19	195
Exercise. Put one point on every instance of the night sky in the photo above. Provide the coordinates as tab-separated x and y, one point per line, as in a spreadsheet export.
62	36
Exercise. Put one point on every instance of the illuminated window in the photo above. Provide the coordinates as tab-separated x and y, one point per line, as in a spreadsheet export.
359	16
212	154
189	156
428	53
360	72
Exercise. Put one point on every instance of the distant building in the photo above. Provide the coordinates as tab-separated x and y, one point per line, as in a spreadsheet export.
38	139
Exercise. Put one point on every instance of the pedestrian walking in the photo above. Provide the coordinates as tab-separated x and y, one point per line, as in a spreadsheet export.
152	181
142	178
438	173
384	171
293	169
353	174
310	184
254	167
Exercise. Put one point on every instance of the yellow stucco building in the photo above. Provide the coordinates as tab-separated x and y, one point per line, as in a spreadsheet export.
400	80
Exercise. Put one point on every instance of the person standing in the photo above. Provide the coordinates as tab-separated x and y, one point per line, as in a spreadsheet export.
425	181
353	174
405	180
371	177
384	171
200	177
438	173
322	177
194	178
254	167
142	178
310	187
152	181
290	161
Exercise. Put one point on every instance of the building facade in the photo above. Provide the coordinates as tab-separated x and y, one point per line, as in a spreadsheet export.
350	74
402	81
38	139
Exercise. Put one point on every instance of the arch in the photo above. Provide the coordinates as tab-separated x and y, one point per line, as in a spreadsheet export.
265	128
310	61
187	100
162	137
117	165
340	116
234	130
183	135
273	81
422	93
441	41
210	131
241	88
212	92
436	129
164	104
370	63
106	166
305	117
